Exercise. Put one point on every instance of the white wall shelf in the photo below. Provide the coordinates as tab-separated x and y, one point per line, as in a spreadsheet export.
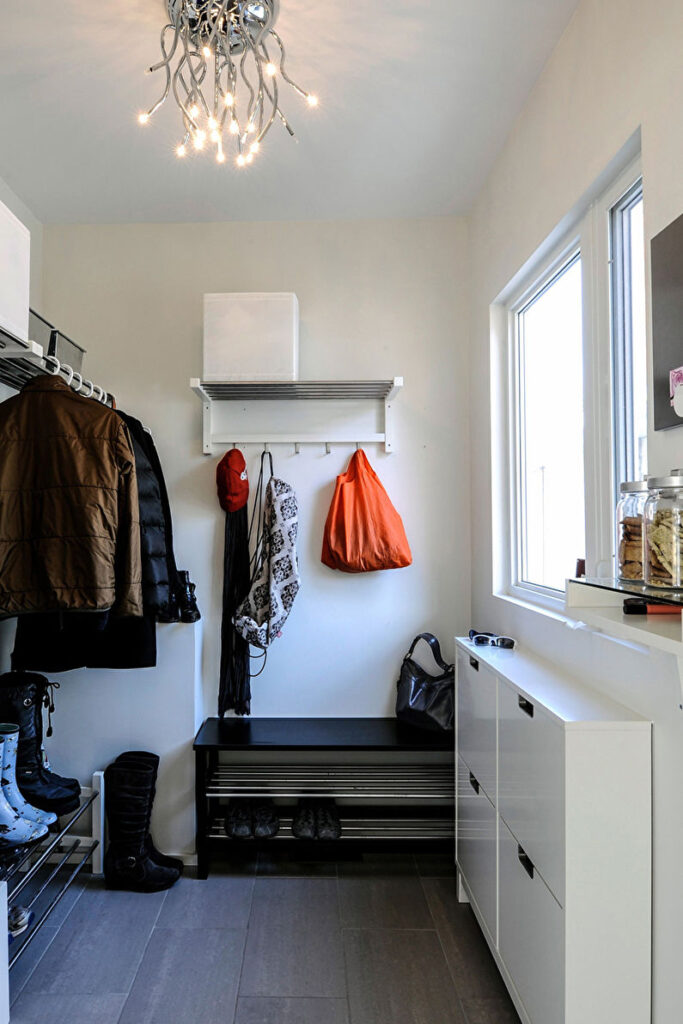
213	391
599	604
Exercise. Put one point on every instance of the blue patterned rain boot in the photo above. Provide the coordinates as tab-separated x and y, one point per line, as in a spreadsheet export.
13	828
9	734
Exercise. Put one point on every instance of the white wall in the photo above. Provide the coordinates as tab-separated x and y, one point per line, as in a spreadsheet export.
617	68
377	299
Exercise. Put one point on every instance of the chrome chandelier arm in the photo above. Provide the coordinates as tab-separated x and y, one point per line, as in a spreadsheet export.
222	99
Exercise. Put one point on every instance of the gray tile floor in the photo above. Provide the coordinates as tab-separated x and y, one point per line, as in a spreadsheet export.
379	940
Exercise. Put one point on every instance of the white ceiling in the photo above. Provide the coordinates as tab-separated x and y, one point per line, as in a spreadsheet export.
416	99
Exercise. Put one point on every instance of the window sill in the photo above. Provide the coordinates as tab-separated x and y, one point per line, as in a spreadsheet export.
558	613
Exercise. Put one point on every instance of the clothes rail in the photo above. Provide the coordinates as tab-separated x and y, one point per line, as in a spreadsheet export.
22	361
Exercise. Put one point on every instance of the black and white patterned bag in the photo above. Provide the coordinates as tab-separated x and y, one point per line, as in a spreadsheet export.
264	611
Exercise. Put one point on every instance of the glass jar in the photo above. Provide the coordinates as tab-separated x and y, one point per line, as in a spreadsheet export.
663	520
630	547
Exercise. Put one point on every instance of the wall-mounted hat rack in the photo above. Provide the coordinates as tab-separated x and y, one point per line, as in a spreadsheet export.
21	361
212	391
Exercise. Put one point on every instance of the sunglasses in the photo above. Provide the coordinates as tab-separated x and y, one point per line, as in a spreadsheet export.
490	640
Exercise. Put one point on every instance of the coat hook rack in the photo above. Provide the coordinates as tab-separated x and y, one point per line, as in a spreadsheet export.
217	431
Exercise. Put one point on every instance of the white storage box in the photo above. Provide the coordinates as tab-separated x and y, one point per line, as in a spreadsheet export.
251	336
15	272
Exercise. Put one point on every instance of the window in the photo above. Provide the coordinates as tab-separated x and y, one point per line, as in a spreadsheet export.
629	360
550	472
570	337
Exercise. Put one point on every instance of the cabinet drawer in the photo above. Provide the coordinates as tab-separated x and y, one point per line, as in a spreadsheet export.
476	848
531	940
477	703
531	783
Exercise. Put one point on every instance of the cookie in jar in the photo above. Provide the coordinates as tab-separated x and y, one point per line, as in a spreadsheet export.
663	521
630	535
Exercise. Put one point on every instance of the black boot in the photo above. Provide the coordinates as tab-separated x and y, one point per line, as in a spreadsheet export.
46	691
187	602
129	789
21	700
152	760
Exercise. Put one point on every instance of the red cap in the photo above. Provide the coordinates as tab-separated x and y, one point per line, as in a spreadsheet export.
231	481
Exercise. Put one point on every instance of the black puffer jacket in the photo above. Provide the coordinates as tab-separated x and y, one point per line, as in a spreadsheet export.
156	535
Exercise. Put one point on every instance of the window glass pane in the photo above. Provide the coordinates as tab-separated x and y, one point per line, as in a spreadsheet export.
551	471
638	344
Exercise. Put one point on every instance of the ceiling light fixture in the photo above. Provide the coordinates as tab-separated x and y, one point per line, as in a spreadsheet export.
218	68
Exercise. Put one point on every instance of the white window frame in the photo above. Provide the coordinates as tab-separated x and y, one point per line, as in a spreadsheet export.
588	233
622	370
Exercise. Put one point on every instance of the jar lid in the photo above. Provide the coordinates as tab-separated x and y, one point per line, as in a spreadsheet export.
658	483
630	486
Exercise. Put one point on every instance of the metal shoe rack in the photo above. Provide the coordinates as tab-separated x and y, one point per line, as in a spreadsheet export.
394	786
38	876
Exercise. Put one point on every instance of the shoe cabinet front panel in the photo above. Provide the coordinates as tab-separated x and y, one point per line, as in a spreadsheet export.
476	848
531	782
572	875
477	720
531	940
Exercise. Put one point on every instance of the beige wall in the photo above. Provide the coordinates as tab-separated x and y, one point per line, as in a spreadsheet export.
616	70
377	299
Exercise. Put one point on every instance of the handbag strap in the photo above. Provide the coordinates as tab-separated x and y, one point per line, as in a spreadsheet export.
435	648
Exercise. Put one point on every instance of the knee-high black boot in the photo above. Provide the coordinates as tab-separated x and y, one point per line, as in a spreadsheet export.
146	757
21	702
128	798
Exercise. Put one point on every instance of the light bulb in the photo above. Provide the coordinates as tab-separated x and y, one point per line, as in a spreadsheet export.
194	110
312	100
250	158
254	147
233	127
215	136
240	160
271	69
251	127
212	122
229	99
207	52
180	151
143	118
220	156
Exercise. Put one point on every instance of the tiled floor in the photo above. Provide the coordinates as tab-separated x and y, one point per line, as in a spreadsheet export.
381	940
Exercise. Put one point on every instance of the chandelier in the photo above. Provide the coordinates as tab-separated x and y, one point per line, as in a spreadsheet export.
224	78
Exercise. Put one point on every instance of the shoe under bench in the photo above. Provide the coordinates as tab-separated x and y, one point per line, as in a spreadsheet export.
393	785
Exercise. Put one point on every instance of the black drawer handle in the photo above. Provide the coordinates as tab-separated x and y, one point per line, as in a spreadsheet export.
525	862
526	706
474	663
474	784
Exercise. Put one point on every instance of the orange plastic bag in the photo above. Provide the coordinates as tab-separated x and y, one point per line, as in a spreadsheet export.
363	532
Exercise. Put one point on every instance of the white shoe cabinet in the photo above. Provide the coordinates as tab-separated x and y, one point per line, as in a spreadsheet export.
553	837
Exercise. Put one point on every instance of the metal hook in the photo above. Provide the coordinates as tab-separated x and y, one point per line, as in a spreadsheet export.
357	446
70	370
327	448
266	446
297	448
58	365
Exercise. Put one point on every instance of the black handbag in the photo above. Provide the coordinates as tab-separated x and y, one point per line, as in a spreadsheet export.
423	700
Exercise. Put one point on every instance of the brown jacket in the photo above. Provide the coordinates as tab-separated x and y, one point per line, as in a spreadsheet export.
69	531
